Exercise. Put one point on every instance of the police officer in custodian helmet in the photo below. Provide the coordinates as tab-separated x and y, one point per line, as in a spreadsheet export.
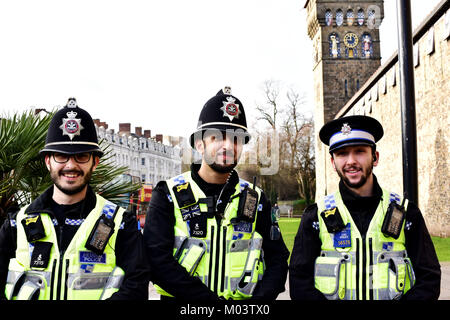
208	228
362	242
71	243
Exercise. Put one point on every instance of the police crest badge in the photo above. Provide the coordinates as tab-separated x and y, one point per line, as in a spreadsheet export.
71	126
345	130
230	108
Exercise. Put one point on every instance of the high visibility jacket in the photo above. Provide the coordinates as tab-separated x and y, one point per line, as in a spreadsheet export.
353	267
76	274
226	256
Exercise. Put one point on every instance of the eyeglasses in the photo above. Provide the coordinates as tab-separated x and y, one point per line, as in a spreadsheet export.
79	157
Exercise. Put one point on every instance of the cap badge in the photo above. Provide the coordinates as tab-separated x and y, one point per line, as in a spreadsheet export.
345	130
230	108
71	126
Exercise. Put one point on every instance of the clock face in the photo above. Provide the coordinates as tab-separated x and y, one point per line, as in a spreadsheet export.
351	40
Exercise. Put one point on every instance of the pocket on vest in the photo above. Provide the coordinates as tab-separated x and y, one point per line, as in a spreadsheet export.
332	275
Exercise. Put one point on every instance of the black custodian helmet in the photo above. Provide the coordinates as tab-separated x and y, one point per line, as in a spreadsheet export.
71	131
222	112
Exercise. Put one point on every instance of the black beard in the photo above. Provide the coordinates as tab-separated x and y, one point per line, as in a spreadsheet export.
222	168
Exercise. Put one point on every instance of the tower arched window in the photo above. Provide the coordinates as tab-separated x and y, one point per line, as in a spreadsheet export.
360	17
339	17
371	18
350	17
328	17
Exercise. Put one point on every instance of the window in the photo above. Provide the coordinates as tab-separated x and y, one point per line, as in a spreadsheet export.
360	17
346	88
143	161
350	17
328	17
339	17
371	18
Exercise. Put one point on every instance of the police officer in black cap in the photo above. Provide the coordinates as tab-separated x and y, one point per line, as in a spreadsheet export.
71	243
363	242
208	228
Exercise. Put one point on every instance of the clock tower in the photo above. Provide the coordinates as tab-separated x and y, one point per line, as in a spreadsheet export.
345	37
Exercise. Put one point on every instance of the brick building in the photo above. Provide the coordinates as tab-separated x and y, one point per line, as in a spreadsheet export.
376	93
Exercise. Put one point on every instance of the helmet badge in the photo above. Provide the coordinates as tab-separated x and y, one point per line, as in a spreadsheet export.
345	130
71	126
230	108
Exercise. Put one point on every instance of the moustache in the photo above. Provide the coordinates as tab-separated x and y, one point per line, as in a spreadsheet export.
64	172
227	153
351	168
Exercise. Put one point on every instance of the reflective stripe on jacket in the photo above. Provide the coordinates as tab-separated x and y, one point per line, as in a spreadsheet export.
76	274
352	267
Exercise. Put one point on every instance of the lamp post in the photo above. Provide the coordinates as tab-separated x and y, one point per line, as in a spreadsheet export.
407	100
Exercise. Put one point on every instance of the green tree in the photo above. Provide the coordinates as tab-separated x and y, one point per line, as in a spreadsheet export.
23	174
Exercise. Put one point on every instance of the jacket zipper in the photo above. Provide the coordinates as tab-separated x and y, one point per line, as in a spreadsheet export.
366	251
58	287
364	264
60	268
371	269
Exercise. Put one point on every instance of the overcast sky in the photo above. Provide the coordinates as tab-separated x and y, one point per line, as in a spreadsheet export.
155	63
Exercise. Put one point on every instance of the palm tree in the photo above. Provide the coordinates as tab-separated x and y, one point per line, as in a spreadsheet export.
23	174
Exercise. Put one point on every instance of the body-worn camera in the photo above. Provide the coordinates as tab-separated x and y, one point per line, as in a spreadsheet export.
333	220
393	220
34	229
248	202
100	234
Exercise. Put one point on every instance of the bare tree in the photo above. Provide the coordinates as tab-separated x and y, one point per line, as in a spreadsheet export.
296	174
298	132
269	109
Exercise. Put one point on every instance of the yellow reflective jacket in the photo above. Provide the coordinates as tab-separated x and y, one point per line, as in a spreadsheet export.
228	257
76	274
352	267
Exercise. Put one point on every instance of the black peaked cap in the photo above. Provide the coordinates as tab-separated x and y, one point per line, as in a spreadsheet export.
351	130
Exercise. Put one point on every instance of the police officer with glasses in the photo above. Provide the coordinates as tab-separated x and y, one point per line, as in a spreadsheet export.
362	242
71	243
208	232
